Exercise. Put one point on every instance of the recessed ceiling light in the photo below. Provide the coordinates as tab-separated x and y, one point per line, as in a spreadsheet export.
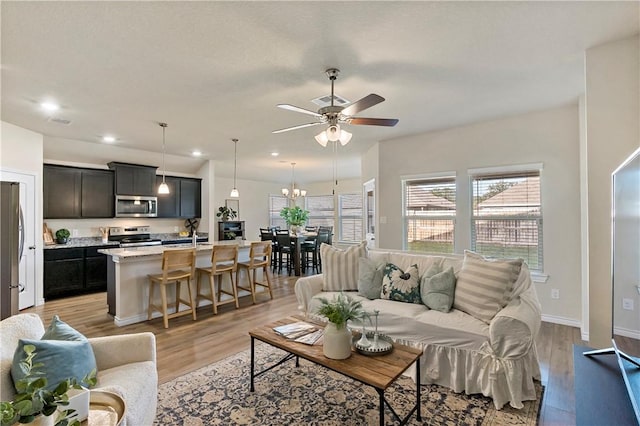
275	154
196	153
50	106
108	139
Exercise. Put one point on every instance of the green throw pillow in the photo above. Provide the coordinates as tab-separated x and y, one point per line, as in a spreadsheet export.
64	352
437	290
399	285
369	278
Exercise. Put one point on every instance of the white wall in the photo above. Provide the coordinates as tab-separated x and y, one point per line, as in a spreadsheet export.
549	137
21	151
612	134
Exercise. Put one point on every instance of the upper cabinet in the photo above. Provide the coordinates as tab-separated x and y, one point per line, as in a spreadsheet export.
134	179
183	200
71	192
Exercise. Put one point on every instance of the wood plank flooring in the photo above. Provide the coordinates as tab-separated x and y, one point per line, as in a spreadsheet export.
188	345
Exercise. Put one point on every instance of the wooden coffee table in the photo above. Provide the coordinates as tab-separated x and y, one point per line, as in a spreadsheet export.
376	371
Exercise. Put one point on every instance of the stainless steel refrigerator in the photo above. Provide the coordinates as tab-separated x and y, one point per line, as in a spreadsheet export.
11	245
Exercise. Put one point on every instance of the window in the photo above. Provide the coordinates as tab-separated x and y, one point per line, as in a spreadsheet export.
350	217
507	216
429	214
320	209
277	203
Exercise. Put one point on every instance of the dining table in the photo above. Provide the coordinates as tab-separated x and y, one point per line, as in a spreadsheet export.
298	239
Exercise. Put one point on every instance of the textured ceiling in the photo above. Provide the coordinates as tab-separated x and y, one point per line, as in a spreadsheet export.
215	70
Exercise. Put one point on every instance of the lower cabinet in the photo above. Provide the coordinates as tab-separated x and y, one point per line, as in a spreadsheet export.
74	271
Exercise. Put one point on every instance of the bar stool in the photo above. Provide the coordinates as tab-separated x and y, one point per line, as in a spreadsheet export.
224	259
259	257
172	262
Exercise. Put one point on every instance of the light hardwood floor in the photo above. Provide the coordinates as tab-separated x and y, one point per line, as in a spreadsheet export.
188	345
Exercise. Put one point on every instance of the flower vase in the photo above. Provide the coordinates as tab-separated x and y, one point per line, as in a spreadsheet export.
294	229
337	341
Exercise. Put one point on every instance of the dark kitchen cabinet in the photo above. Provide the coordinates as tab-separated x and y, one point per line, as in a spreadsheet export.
62	188
134	179
184	199
73	193
74	271
97	193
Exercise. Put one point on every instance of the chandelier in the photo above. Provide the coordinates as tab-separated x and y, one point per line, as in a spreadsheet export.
294	192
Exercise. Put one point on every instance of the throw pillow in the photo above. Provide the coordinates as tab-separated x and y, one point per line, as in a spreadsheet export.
369	278
399	285
63	352
437	290
484	285
340	267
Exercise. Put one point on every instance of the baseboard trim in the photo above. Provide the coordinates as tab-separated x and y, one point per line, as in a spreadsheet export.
562	321
634	334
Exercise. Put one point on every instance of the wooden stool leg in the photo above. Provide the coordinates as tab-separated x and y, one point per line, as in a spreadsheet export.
165	315
150	307
198	289
268	280
233	287
192	305
214	302
252	287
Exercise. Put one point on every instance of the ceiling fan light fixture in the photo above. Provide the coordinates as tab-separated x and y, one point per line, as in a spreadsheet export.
333	132
345	137
322	138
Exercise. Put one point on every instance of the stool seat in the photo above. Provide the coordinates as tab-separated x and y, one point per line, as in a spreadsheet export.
224	260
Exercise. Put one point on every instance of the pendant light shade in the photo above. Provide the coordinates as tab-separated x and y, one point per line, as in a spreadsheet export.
163	188
234	192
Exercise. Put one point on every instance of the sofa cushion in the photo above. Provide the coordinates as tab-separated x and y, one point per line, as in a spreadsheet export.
370	274
437	289
63	352
340	267
399	285
484	285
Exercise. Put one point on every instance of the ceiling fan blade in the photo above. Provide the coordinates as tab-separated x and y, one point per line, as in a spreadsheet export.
298	109
362	104
300	126
373	121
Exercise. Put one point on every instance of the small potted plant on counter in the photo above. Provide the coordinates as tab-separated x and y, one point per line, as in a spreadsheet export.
62	236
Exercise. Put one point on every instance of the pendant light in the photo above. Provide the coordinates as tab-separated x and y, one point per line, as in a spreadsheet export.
163	188
234	191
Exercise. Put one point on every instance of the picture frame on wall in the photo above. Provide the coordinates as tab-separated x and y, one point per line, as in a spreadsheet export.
234	205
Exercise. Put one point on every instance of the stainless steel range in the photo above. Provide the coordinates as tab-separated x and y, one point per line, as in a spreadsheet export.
133	236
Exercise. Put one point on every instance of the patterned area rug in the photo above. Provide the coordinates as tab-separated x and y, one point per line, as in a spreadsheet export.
218	394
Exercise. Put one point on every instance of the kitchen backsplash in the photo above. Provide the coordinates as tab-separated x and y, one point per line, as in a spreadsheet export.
85	228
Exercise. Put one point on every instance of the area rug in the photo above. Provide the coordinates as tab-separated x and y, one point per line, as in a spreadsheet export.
218	394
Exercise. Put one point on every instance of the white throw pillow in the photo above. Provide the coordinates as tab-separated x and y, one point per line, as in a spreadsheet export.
484	285
340	267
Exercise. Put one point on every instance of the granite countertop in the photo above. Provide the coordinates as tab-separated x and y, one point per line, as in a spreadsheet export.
130	252
97	241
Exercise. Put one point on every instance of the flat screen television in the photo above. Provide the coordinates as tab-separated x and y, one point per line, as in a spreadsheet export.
625	276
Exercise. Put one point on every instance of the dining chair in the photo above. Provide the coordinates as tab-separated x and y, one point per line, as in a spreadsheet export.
224	260
259	255
285	250
311	252
330	230
178	265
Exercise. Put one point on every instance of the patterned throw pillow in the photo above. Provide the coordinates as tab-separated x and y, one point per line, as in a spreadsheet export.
399	285
484	285
340	267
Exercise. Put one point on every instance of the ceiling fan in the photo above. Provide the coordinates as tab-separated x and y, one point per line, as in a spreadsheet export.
334	115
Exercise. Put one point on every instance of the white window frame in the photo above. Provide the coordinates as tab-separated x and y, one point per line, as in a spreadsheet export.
509	171
406	180
341	216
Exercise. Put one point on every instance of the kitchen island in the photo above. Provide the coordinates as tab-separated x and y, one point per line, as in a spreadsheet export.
128	284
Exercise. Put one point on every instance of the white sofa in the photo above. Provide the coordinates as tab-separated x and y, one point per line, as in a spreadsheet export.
126	365
498	360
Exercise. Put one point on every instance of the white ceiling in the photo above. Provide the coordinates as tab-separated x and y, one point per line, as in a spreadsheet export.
215	70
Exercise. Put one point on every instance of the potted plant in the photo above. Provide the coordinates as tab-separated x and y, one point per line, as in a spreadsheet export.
34	402
295	217
62	236
225	213
337	337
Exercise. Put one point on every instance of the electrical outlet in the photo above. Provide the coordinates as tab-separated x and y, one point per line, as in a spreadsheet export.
555	293
383	219
627	304
74	232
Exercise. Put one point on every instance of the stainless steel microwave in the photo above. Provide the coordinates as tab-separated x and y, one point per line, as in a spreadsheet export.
136	206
